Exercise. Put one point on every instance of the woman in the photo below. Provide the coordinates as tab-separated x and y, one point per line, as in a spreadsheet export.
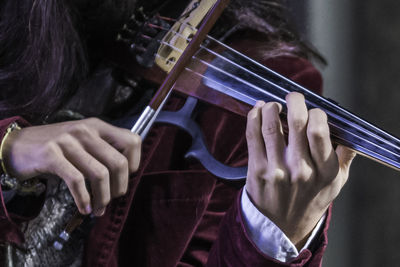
164	211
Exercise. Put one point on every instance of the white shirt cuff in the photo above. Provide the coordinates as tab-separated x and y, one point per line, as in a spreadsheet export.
267	236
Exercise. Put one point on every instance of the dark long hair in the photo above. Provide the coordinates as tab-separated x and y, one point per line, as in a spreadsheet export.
43	57
268	20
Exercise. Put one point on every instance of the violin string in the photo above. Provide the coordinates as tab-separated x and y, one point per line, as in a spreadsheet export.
276	86
320	98
208	64
254	100
226	60
227	88
263	91
337	137
281	100
214	81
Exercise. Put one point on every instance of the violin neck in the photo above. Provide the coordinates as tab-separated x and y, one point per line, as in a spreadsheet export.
248	81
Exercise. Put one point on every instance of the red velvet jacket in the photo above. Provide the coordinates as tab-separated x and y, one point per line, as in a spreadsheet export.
177	214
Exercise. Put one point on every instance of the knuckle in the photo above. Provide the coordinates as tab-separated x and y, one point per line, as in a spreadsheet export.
123	163
79	129
93	120
301	172
278	174
131	140
318	113
118	164
270	128
253	113
48	153
317	132
261	172
317	127
298	123
250	134
100	174
50	148
65	139
271	106
136	141
76	182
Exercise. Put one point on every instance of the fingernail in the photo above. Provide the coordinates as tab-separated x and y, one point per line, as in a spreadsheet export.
88	209
99	212
259	104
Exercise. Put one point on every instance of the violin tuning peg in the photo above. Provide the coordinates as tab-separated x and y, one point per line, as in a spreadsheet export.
120	38
142	14
155	20
134	24
138	48
151	31
128	31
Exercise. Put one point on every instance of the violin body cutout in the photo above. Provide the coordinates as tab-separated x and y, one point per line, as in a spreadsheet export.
198	150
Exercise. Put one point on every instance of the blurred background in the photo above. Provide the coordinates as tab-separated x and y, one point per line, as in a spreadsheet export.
361	41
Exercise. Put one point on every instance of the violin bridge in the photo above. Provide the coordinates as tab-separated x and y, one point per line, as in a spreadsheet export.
181	33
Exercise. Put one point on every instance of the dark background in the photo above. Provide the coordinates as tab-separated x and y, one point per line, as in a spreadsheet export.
361	41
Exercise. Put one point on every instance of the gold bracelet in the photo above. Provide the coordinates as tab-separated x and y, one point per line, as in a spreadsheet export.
13	126
32	186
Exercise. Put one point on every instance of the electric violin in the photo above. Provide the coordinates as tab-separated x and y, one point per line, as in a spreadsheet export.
191	57
182	50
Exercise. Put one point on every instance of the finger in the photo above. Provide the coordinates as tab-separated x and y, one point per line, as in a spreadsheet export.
345	157
320	145
255	142
116	163
75	182
122	139
297	121
93	170
273	134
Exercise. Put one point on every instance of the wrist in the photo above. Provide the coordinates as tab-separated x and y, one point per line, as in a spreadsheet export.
296	225
11	130
8	180
300	228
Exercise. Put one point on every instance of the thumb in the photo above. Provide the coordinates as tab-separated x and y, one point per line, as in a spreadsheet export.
345	157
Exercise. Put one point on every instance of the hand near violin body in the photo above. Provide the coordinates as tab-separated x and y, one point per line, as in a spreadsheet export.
294	182
75	151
